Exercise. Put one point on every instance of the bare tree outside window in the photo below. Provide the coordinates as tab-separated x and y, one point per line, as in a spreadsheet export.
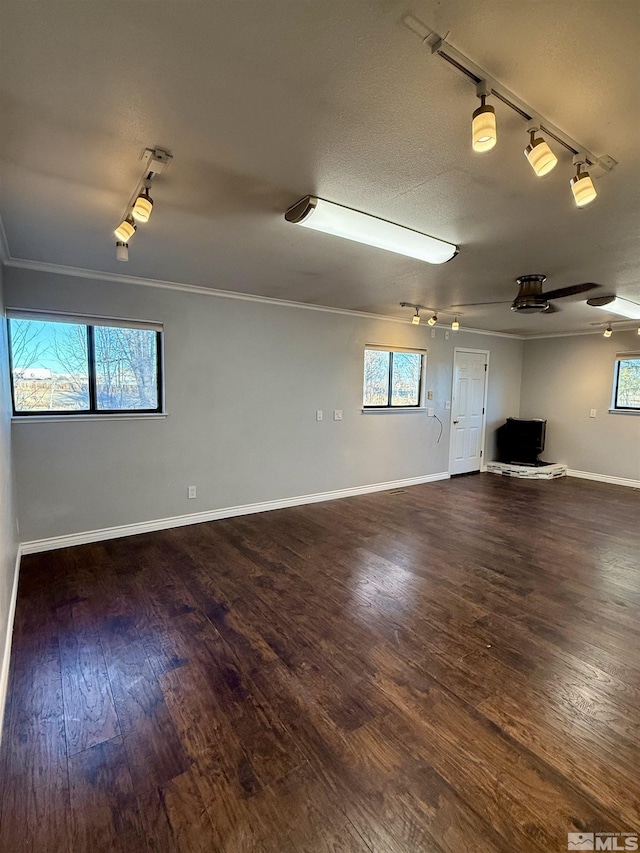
392	378
62	367
628	384
126	368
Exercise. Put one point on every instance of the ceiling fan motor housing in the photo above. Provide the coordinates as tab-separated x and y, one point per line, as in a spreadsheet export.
530	299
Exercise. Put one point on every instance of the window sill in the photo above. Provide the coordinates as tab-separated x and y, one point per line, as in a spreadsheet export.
26	419
624	412
395	410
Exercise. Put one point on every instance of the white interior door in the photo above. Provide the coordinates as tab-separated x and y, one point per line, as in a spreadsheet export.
468	410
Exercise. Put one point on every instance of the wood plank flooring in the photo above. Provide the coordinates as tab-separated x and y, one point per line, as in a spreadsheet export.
454	667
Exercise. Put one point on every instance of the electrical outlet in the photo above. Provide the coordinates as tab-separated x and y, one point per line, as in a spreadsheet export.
446	336
337	414
431	412
592	413
192	492
433	333
429	395
447	405
319	414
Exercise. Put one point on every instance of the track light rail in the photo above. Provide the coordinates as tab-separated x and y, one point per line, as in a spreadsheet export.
433	310
440	47
156	161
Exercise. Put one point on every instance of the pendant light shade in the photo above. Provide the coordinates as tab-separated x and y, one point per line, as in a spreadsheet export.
483	128
541	158
608	331
455	325
582	188
433	320
416	318
125	230
143	206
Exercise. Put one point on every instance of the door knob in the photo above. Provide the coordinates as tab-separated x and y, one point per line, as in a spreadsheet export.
455	422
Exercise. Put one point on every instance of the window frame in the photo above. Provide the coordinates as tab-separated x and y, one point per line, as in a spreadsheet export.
92	411
389	407
615	408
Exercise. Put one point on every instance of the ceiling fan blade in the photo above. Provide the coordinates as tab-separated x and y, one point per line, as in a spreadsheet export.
570	291
552	309
471	304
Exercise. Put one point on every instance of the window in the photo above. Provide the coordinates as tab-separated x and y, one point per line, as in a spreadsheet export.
626	383
62	365
392	378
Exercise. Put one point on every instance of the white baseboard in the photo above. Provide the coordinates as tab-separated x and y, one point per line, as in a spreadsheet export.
604	478
38	545
6	652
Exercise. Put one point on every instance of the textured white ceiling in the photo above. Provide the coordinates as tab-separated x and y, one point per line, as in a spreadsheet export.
264	102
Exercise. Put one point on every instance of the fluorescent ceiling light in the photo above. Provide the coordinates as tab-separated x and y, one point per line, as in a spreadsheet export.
353	225
616	305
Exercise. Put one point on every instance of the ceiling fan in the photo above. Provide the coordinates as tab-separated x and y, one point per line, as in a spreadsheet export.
531	299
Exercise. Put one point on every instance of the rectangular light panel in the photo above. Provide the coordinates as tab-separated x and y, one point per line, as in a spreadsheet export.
321	215
623	307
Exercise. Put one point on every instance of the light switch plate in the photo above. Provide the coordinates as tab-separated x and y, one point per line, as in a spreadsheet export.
337	414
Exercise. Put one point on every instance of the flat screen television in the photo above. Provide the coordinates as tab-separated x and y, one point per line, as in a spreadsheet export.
521	440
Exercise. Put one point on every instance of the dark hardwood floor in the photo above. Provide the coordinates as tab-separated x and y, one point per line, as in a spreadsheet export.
453	667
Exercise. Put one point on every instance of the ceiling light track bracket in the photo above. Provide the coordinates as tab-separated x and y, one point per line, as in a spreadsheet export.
487	85
140	205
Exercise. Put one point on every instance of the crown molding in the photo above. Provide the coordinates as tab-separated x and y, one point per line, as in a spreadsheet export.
119	278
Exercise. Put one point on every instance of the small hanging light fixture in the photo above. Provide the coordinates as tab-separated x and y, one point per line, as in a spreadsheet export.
126	229
416	318
581	184
122	251
608	331
455	325
143	205
483	125
433	320
541	158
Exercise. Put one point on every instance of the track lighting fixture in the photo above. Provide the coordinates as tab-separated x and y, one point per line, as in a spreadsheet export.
608	331
483	124
140	204
541	158
581	184
539	155
433	319
143	205
126	229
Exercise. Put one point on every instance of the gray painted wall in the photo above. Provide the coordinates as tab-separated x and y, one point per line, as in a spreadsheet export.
562	380
8	528
256	442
